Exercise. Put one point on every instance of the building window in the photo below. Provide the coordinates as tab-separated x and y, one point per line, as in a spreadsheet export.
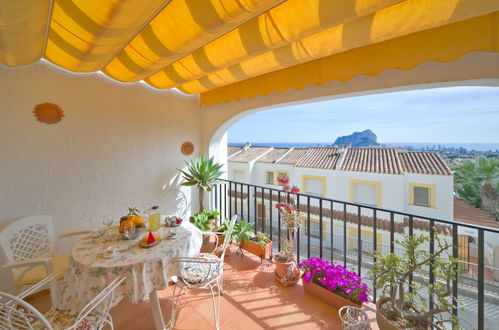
365	192
422	194
269	177
239	175
314	185
315	229
367	240
281	173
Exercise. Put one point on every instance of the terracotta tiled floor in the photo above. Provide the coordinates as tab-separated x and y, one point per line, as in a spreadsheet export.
253	300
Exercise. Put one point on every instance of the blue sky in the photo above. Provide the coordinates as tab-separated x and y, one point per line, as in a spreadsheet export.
456	114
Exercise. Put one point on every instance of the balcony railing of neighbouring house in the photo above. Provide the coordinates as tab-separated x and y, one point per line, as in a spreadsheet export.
346	233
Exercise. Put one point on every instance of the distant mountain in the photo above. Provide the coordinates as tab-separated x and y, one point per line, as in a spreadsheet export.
358	139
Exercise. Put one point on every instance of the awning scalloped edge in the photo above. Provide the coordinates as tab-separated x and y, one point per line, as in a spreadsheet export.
443	44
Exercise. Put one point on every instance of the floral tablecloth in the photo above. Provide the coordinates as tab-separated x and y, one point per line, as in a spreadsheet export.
89	270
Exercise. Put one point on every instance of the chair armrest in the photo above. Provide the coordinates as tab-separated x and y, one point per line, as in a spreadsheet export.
108	291
29	262
195	260
75	233
212	233
38	285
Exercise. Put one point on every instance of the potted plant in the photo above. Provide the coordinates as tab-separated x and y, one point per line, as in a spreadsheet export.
242	233
399	308
292	218
220	230
259	245
332	283
205	220
204	173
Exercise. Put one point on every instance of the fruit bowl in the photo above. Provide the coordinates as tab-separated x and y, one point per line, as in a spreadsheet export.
139	231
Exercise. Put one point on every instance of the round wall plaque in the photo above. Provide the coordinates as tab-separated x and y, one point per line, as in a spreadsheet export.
48	113
187	148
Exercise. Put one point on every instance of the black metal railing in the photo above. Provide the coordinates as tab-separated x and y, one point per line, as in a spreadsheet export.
340	239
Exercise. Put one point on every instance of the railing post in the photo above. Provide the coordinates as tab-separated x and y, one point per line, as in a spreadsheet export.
432	251
345	235
454	282
320	227
297	232
331	219
411	229
279	222
392	232
481	247
308	226
359	240
375	248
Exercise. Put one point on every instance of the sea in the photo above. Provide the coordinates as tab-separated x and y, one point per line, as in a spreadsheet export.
489	146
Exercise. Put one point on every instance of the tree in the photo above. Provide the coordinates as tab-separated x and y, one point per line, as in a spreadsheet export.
204	173
477	182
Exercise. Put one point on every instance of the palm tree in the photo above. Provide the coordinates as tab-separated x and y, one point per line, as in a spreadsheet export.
472	176
204	173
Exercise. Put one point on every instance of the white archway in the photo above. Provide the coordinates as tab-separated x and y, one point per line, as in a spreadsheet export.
475	69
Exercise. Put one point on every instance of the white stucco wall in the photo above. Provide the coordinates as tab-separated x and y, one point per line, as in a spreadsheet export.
118	146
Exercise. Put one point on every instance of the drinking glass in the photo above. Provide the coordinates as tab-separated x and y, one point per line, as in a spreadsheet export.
130	232
107	221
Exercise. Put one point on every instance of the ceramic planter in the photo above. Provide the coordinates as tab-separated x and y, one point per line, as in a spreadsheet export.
381	319
260	251
327	296
220	240
282	267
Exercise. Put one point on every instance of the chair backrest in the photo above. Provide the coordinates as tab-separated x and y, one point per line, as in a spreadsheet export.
15	313
228	234
101	304
28	238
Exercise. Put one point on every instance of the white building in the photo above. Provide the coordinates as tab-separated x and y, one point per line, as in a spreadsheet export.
418	183
371	176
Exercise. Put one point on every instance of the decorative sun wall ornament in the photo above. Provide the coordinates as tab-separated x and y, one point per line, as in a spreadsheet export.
48	113
187	148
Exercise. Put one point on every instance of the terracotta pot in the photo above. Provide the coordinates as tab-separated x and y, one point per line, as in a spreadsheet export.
327	296
263	252
383	322
220	240
288	282
282	267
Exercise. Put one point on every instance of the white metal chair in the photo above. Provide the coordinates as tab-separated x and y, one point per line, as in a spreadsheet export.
28	246
15	313
204	272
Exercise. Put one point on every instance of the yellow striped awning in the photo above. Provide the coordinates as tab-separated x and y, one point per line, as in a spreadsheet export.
231	49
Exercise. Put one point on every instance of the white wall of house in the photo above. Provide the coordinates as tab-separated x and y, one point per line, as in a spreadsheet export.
341	185
118	146
444	207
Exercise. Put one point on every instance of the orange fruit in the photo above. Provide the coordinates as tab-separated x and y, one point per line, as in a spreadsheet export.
136	219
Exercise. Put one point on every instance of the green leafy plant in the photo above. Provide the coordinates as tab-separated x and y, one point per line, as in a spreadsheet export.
477	183
202	222
223	228
204	173
205	220
242	232
392	274
261	239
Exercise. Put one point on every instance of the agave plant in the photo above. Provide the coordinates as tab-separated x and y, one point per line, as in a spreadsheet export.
204	173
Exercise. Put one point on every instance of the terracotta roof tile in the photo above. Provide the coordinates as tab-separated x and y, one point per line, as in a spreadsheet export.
464	212
324	157
293	156
249	154
232	150
273	155
424	163
376	160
